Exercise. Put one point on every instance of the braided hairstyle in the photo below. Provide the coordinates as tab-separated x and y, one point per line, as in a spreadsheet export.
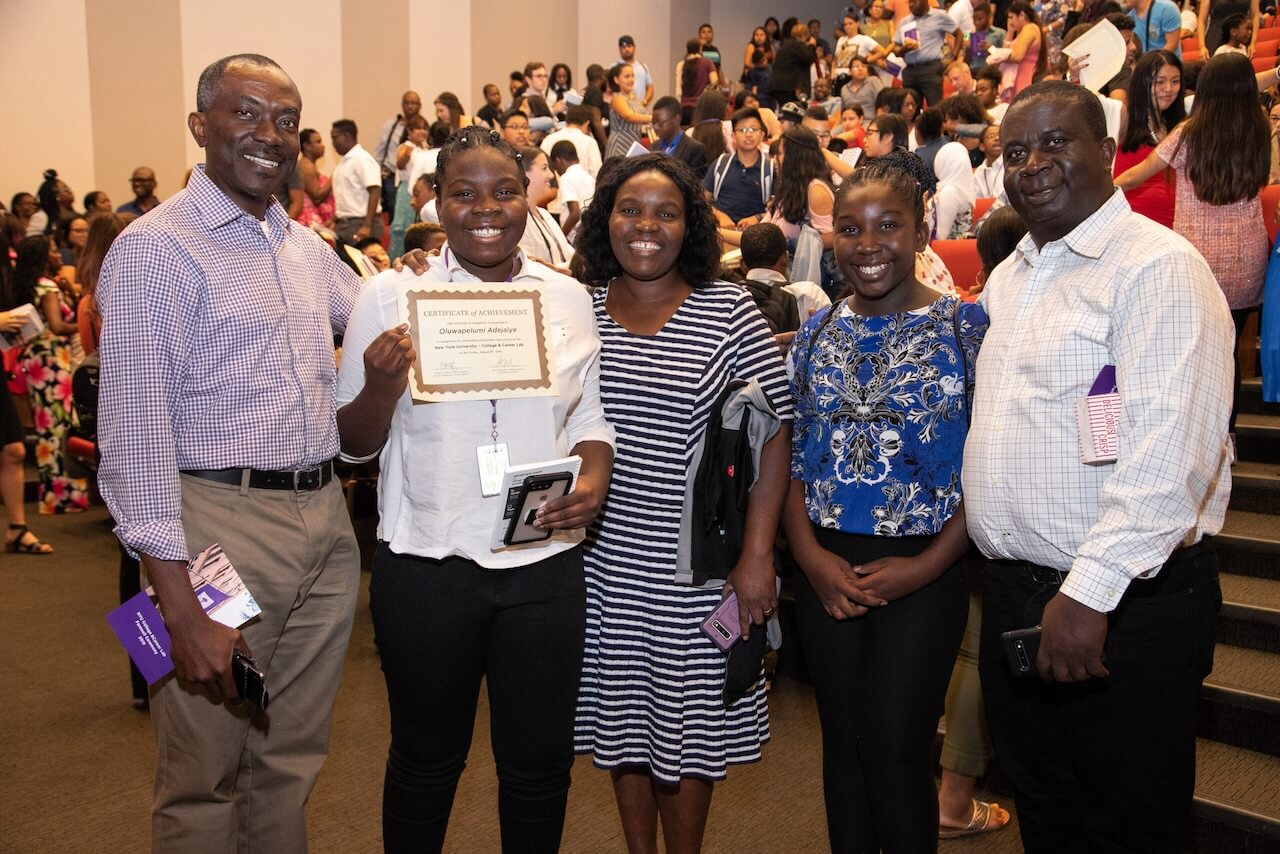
470	138
902	171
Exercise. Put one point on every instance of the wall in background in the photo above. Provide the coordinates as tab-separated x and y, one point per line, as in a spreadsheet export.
95	88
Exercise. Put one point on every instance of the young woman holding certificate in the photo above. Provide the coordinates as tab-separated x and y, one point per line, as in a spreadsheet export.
448	609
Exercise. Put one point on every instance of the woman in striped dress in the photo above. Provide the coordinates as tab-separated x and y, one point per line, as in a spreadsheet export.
650	707
627	119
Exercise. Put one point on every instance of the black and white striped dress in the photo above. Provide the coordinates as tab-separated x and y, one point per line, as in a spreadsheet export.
651	680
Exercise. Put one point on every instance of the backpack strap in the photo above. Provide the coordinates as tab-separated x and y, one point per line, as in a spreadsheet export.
802	379
720	170
964	363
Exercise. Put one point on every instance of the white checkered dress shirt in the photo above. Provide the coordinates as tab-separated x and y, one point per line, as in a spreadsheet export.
1120	290
217	352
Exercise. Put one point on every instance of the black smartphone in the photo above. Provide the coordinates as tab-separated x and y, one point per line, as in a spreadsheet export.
1020	648
251	683
537	490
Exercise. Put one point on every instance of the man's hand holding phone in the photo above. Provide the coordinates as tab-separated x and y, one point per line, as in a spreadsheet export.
201	647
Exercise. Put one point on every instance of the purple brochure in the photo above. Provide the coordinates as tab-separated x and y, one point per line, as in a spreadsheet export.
138	625
1105	382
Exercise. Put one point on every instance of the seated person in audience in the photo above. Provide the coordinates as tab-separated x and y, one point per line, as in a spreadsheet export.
515	87
576	185
989	177
492	109
96	201
372	249
672	141
929	138
577	130
543	238
960	77
748	101
515	129
964	120
823	98
740	183
851	130
817	120
862	87
764	258
427	236
424	198
987	87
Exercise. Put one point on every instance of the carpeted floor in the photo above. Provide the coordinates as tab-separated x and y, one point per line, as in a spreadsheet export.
76	759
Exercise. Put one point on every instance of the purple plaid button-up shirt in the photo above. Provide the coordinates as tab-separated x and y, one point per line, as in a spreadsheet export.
217	352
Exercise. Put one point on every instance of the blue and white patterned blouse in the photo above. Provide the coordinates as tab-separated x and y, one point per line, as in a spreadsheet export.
881	416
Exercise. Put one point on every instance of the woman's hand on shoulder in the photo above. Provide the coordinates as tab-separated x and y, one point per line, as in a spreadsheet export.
836	585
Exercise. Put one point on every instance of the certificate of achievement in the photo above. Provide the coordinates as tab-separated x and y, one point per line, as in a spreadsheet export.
488	343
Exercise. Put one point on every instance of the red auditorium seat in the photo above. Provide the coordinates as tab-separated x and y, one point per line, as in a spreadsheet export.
981	206
961	258
1264	63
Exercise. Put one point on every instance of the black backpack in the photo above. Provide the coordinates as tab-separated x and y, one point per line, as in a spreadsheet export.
84	397
779	307
721	488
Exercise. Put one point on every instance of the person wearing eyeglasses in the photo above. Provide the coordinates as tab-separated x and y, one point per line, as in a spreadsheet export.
143	184
740	183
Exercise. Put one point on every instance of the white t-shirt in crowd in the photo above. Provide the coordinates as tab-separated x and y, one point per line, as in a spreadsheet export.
355	173
584	144
961	12
575	186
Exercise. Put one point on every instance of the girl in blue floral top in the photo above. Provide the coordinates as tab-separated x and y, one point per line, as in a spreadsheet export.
874	514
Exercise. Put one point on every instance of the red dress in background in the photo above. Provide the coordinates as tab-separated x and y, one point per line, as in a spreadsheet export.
1154	198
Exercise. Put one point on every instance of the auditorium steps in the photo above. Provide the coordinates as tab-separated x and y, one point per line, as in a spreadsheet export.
1237	805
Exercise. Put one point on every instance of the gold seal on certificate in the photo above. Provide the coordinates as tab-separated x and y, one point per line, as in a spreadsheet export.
488	343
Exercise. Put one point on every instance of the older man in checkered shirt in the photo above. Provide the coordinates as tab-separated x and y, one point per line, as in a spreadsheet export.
1114	561
218	425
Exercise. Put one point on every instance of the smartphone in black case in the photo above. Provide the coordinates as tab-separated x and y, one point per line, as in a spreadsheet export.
251	683
1020	648
536	491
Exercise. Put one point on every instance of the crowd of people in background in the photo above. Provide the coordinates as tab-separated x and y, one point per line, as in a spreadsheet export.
780	222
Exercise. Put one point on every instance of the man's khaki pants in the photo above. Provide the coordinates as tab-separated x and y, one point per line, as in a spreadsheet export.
227	779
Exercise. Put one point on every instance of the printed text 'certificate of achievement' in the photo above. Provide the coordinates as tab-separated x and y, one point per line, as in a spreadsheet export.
485	343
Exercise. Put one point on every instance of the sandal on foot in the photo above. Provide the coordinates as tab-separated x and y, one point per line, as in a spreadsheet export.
35	546
986	817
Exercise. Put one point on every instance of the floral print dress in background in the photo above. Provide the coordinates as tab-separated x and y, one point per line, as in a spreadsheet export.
48	363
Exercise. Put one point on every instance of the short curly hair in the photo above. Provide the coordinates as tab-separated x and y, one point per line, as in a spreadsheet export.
699	260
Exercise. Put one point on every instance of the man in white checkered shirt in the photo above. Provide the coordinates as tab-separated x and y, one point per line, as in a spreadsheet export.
1114	561
218	424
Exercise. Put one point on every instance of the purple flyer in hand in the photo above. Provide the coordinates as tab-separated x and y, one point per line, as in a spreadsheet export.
138	625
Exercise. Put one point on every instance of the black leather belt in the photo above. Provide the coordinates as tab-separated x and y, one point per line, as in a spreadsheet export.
1172	575
302	480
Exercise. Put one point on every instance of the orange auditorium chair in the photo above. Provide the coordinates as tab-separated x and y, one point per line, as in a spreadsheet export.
981	206
961	258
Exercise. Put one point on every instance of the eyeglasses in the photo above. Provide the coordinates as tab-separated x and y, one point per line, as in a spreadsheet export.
748	131
872	129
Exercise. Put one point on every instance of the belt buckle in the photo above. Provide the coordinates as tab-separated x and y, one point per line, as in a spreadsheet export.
306	480
1045	575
